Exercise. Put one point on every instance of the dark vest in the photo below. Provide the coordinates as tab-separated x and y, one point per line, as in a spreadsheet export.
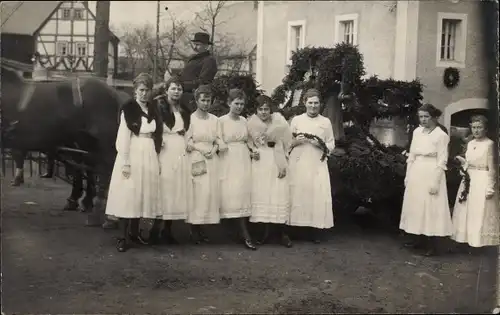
133	114
168	116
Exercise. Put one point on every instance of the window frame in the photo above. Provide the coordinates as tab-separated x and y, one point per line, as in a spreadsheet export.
63	10
291	25
81	44
460	40
58	54
78	10
339	21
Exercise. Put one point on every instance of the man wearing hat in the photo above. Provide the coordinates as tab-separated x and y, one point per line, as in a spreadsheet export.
200	69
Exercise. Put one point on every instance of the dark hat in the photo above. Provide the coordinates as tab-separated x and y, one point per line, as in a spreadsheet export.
203	38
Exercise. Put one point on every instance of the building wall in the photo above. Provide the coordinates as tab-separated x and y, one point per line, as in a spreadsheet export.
473	77
74	32
376	47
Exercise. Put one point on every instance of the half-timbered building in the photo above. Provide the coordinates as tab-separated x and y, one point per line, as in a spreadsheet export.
53	35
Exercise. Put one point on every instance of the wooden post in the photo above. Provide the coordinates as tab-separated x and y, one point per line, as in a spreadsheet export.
157	47
101	39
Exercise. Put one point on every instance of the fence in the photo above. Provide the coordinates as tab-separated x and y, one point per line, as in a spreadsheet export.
35	164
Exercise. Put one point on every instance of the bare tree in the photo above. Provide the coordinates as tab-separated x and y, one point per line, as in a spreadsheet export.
227	51
207	18
139	45
101	39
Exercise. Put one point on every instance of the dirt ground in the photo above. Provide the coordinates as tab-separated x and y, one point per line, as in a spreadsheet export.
53	264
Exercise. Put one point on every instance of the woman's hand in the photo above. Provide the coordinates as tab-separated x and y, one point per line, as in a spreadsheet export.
315	142
489	195
223	148
126	171
434	190
461	160
300	139
255	155
208	155
189	148
282	173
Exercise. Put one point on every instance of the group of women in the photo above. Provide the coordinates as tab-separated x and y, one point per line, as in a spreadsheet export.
175	165
426	213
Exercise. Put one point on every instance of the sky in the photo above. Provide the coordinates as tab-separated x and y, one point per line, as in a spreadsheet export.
142	12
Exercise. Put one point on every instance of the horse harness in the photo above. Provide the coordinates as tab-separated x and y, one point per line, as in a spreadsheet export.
76	94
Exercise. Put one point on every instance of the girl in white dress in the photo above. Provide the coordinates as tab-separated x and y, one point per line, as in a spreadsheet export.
134	186
203	140
476	219
310	190
236	168
270	196
176	187
426	212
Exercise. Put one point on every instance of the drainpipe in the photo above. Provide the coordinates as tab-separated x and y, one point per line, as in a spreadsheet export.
260	43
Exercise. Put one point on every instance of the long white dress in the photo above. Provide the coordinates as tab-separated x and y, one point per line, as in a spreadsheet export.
424	213
270	196
310	190
136	196
176	187
235	169
203	134
476	220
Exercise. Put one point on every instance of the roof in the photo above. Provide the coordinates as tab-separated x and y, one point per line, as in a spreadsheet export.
27	17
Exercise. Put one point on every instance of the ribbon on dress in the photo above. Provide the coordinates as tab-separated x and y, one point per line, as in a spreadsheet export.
277	131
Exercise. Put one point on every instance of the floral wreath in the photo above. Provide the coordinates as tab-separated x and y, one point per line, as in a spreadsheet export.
451	77
465	178
324	148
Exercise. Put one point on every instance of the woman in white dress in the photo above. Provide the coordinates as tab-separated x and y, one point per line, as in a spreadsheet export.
270	196
134	186
426	212
236	166
203	140
176	187
310	190
476	219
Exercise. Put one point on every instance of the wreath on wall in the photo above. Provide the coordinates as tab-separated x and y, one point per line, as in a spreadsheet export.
451	77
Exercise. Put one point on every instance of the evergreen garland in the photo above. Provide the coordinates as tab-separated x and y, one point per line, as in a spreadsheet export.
451	77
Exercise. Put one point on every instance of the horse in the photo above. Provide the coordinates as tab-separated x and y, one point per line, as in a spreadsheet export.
77	178
78	121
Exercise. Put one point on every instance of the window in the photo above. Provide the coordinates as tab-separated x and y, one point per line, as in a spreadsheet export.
81	49
78	14
296	38
66	14
62	49
346	29
451	40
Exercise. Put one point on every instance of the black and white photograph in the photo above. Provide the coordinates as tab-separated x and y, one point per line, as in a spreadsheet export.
249	157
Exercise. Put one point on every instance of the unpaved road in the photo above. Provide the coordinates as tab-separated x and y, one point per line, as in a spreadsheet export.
53	264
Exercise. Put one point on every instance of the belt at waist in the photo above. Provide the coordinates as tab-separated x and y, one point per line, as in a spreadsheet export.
145	135
178	133
478	168
236	142
430	155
